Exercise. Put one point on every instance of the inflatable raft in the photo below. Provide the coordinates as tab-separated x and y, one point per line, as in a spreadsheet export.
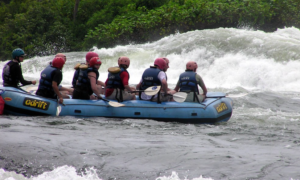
215	108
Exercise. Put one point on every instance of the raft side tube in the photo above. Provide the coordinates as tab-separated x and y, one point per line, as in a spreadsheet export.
215	94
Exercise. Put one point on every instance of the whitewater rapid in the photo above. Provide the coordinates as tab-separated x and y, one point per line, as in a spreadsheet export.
259	71
227	58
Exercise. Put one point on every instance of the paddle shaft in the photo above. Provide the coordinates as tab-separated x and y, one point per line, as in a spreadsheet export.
111	103
150	91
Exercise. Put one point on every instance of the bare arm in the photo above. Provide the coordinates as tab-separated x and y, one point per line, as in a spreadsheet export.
204	89
202	85
176	88
100	83
164	86
55	88
93	80
128	88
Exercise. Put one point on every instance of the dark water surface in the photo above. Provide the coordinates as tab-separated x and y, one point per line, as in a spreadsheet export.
261	141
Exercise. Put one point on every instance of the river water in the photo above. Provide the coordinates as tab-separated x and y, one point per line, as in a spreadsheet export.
258	70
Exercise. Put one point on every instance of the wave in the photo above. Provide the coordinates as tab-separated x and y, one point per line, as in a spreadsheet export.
69	173
227	58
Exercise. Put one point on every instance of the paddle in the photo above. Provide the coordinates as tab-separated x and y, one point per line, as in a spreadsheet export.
58	109
179	96
31	89
150	91
113	104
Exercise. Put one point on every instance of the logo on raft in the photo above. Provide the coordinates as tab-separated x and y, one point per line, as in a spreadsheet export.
43	105
7	99
221	107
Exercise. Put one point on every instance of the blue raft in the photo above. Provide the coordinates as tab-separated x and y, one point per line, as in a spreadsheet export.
216	108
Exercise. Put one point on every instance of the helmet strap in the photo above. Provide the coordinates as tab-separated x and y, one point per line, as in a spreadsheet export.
17	58
123	66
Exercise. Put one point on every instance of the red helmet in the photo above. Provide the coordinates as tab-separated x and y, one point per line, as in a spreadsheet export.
94	61
161	63
191	65
61	55
123	60
58	62
89	55
167	61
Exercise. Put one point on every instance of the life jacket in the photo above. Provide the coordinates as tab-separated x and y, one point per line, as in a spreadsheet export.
83	81
46	80
188	83
76	73
115	82
6	76
150	78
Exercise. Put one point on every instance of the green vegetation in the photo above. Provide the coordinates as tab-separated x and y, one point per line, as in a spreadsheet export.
43	27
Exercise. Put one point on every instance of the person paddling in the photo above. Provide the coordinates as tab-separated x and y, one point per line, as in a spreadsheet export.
117	86
66	92
87	80
189	81
89	55
12	72
155	76
50	79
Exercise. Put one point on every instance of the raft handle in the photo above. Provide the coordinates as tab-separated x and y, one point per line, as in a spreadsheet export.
77	111
137	113
194	114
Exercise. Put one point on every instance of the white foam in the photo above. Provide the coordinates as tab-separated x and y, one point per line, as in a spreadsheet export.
59	173
174	176
227	58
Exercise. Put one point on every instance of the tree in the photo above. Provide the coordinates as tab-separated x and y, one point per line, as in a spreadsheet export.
75	9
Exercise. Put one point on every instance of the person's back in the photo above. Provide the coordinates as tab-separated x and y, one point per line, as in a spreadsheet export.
88	57
10	79
48	75
12	72
155	76
117	87
83	88
50	79
87	80
188	82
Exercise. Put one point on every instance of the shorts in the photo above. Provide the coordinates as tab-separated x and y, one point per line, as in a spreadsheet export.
45	93
190	98
80	94
126	95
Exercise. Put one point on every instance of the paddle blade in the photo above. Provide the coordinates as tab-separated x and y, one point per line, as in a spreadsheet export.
58	110
151	91
115	104
180	96
112	103
31	89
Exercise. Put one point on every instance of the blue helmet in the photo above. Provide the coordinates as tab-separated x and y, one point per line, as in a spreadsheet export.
18	52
